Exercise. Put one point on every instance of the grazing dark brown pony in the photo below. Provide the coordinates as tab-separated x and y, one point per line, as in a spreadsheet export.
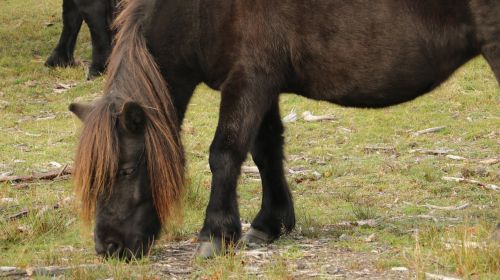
98	14
360	53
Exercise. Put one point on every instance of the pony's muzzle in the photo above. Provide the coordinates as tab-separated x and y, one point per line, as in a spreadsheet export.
110	248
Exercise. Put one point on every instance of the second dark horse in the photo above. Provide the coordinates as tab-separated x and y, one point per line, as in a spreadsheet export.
98	14
363	53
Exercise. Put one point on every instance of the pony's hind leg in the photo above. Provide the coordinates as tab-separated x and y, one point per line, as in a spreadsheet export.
244	103
487	21
277	210
62	55
492	54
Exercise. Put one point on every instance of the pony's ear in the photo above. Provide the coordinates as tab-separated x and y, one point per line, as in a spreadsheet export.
80	110
133	118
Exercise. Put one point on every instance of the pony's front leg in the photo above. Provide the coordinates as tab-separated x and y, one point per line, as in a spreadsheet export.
244	102
276	215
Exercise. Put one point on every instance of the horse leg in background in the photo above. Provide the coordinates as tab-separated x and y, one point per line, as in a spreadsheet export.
62	55
97	15
245	100
277	211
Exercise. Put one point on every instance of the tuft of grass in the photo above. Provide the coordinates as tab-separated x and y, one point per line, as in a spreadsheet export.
278	270
465	250
306	224
227	265
362	212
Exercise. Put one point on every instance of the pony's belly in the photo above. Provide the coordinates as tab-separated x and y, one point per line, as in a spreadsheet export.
370	93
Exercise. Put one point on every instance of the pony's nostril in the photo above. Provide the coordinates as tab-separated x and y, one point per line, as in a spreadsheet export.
138	244
113	248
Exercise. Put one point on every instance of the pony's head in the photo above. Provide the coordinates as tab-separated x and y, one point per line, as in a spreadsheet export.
128	175
129	164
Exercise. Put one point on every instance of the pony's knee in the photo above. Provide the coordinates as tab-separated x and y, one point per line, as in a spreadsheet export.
224	161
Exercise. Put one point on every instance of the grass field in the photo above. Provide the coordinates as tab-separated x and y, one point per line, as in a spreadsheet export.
369	194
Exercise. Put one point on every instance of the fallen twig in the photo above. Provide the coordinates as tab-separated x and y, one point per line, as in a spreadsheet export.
428	130
60	87
399	268
369	223
53	271
490	161
432	152
470	181
21	186
250	170
292	117
454	243
309	117
19	215
298	170
50	271
429	217
454	157
23	213
384	149
50	175
10	271
460	207
169	270
423	216
439	277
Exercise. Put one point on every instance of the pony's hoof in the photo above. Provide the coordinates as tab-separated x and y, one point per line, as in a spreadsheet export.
208	250
93	74
56	60
255	236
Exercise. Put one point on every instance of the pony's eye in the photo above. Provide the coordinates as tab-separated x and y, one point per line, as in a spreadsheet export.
126	172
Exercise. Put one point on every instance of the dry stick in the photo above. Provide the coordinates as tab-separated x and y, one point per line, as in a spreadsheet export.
463	180
490	161
309	117
451	243
388	149
169	270
370	223
430	217
435	152
50	271
454	157
19	215
250	170
53	271
9	271
292	117
460	207
439	277
25	212
428	130
50	175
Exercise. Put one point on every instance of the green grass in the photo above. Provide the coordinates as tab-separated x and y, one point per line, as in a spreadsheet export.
392	188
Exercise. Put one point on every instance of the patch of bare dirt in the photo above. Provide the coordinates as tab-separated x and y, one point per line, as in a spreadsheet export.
314	258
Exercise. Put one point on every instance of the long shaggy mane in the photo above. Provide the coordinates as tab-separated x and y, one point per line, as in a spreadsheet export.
132	75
